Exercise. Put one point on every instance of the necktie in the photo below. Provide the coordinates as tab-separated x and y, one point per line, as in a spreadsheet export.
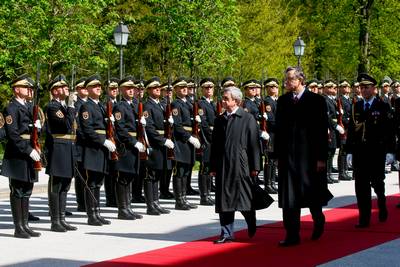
295	100
367	105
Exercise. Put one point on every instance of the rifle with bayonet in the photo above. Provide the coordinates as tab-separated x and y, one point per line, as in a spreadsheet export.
110	133
37	165
196	124
168	127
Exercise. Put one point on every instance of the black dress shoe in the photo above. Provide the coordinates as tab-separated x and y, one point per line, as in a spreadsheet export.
33	218
224	239
318	230
383	214
289	242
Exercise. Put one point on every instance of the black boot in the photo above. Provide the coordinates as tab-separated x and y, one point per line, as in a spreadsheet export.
148	195
80	193
91	209
156	202
63	205
97	209
189	189
16	209
383	212
54	206
177	187
128	196
329	170
268	179
123	212
273	176
184	186
110	189
204	193
25	212
342	165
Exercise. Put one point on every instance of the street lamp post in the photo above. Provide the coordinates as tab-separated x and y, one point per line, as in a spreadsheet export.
299	46
121	34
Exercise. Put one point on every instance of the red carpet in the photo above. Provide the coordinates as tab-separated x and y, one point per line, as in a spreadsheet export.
340	239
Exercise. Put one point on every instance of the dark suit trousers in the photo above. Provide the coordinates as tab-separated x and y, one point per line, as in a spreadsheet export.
291	220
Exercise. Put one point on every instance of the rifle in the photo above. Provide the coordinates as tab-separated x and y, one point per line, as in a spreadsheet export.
262	110
141	134
110	127
167	126
37	165
340	116
196	126
219	99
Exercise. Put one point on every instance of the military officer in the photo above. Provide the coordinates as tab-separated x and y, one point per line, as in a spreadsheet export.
312	85
60	144
158	163
185	143
370	140
96	148
82	96
228	81
19	155
109	180
127	166
271	102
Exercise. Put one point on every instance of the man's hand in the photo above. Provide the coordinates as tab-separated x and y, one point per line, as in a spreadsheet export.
253	173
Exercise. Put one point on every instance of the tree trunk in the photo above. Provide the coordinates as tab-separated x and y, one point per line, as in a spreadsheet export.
365	12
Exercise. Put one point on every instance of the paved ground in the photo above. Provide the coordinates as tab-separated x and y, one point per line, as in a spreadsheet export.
121	238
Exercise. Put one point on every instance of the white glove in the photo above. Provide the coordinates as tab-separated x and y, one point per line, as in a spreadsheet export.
35	155
143	121
170	120
168	143
340	129
349	160
112	119
264	135
38	125
72	100
198	119
265	116
140	147
389	158
109	145
194	141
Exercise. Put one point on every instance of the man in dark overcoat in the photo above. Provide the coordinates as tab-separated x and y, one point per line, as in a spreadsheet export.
235	162
301	147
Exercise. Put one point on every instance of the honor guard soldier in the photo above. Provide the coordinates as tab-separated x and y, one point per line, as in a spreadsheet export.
60	144
19	155
370	139
158	162
185	143
334	128
271	102
385	90
82	96
127	166
208	107
96	149
345	102
109	180
228	81
137	184
356	92
312	85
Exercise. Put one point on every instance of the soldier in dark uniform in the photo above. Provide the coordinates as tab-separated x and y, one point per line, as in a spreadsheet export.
19	155
344	95
60	144
312	85
208	107
185	143
370	138
334	129
356	92
157	163
271	102
385	90
127	167
228	81
137	184
109	180
165	180
96	149
82	96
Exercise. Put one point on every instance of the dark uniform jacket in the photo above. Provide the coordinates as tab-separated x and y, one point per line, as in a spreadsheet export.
209	114
332	122
125	125
155	132
270	107
2	127
235	152
301	140
17	164
251	107
182	115
79	135
93	125
370	137
60	140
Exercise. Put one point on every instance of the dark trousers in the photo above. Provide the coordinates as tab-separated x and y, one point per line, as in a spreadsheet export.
94	180
291	220
80	186
165	180
228	217
59	184
20	189
125	178
137	183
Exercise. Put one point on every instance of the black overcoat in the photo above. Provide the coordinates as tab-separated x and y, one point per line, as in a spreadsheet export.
235	151
301	140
